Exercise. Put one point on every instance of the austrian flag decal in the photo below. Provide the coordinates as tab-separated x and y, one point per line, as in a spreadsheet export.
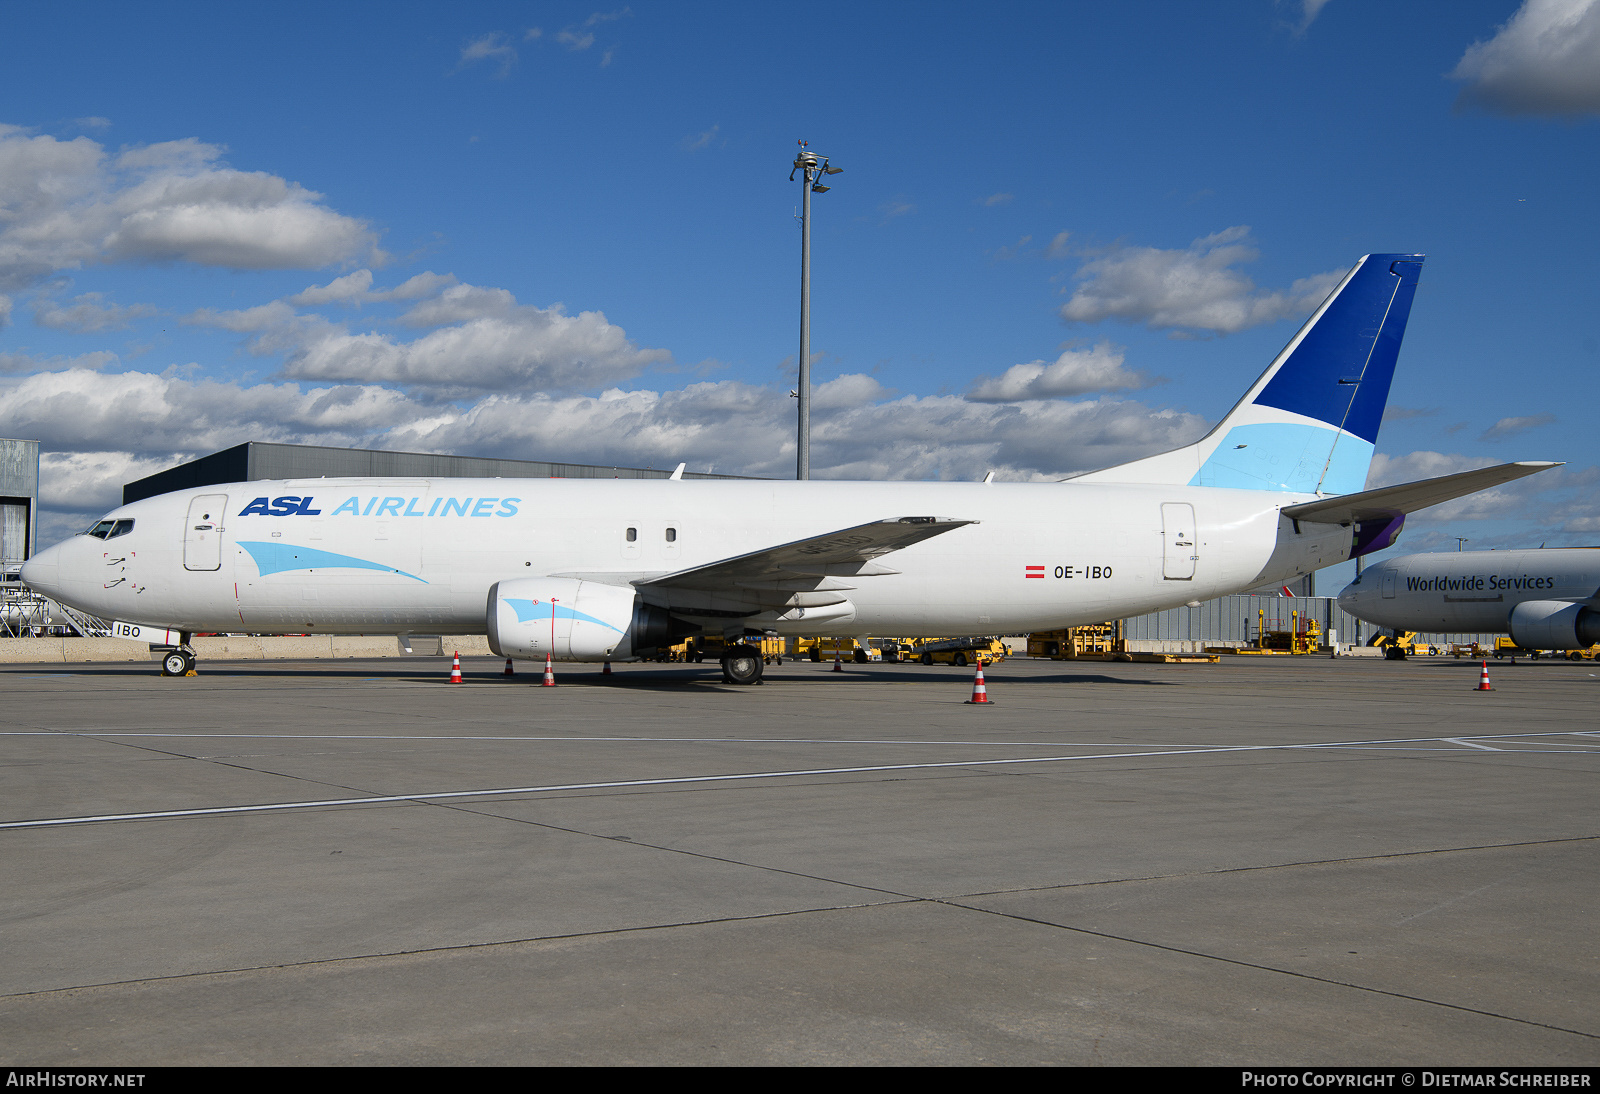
1033	571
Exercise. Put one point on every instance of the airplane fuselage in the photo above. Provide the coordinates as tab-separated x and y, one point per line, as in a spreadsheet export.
1483	592
403	555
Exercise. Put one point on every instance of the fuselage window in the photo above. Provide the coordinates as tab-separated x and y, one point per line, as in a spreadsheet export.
672	535
633	535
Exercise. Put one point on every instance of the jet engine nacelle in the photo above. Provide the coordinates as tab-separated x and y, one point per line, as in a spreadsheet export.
1554	625
572	620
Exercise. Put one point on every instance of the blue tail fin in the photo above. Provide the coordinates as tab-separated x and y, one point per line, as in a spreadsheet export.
1309	424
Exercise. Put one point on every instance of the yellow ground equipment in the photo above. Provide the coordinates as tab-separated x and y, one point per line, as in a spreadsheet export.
956	651
1400	646
848	649
1097	641
709	647
1303	636
1507	647
1101	642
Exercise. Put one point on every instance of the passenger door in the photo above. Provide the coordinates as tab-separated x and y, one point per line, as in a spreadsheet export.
202	532
1179	546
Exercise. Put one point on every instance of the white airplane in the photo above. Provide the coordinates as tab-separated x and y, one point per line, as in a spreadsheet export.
1546	600
607	570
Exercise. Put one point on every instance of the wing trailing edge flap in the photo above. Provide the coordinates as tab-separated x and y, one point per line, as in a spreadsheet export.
809	573
1394	501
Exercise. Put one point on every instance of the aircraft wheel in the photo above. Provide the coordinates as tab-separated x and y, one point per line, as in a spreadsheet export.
816	654
742	665
861	657
176	663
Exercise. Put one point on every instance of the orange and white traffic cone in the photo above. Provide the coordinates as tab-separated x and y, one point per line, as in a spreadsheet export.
1483	679
549	673
607	670
509	671
980	693
838	666
455	669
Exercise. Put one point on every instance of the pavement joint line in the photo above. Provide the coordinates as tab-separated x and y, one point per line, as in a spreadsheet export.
1272	969
236	766
686	780
899	896
1299	864
461	947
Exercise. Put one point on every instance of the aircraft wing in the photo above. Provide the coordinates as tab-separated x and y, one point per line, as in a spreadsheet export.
812	563
1393	501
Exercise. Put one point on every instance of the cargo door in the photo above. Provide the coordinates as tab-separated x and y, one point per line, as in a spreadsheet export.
1179	547
202	532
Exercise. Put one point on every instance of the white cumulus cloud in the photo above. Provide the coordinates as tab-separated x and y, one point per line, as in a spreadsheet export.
70	203
1075	372
498	346
1194	287
88	313
1544	60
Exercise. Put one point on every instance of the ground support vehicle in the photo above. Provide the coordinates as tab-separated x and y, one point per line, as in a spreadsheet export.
847	649
712	647
960	652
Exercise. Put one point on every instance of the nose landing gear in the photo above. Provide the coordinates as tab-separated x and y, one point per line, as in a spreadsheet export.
178	662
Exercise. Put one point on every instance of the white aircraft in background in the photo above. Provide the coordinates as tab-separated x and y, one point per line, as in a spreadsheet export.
1546	600
595	570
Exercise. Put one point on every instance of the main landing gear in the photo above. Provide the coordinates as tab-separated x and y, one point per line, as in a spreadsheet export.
742	665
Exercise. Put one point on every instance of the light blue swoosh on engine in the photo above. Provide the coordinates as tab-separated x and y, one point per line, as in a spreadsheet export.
532	611
276	558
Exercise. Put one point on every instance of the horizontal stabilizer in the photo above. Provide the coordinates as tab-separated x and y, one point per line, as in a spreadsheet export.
1393	501
847	552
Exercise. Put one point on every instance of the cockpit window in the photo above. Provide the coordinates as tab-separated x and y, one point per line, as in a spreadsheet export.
108	529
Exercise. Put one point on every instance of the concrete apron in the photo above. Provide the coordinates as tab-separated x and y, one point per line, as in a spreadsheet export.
264	648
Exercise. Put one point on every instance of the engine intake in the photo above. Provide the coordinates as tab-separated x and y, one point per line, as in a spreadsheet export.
574	620
1554	625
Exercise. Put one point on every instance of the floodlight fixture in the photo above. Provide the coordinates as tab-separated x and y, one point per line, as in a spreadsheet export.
812	168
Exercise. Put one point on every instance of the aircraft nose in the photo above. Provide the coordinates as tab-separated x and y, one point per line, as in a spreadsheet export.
42	572
1348	597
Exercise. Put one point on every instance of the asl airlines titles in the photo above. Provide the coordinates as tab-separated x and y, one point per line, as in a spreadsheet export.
292	506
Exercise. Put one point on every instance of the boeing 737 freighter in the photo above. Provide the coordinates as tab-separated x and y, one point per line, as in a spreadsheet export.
1546	600
597	570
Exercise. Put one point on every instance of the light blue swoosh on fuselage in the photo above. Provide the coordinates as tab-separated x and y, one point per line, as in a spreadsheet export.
276	558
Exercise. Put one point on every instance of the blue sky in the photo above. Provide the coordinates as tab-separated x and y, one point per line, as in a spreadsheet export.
556	231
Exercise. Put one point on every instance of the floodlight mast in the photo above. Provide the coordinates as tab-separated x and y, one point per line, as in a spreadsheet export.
813	169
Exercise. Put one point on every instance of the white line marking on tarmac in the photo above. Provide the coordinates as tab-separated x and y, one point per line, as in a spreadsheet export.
1391	743
686	780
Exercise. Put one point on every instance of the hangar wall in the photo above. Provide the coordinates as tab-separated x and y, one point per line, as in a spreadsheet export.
19	499
263	460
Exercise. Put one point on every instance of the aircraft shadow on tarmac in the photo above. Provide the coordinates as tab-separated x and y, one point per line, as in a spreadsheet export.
529	675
